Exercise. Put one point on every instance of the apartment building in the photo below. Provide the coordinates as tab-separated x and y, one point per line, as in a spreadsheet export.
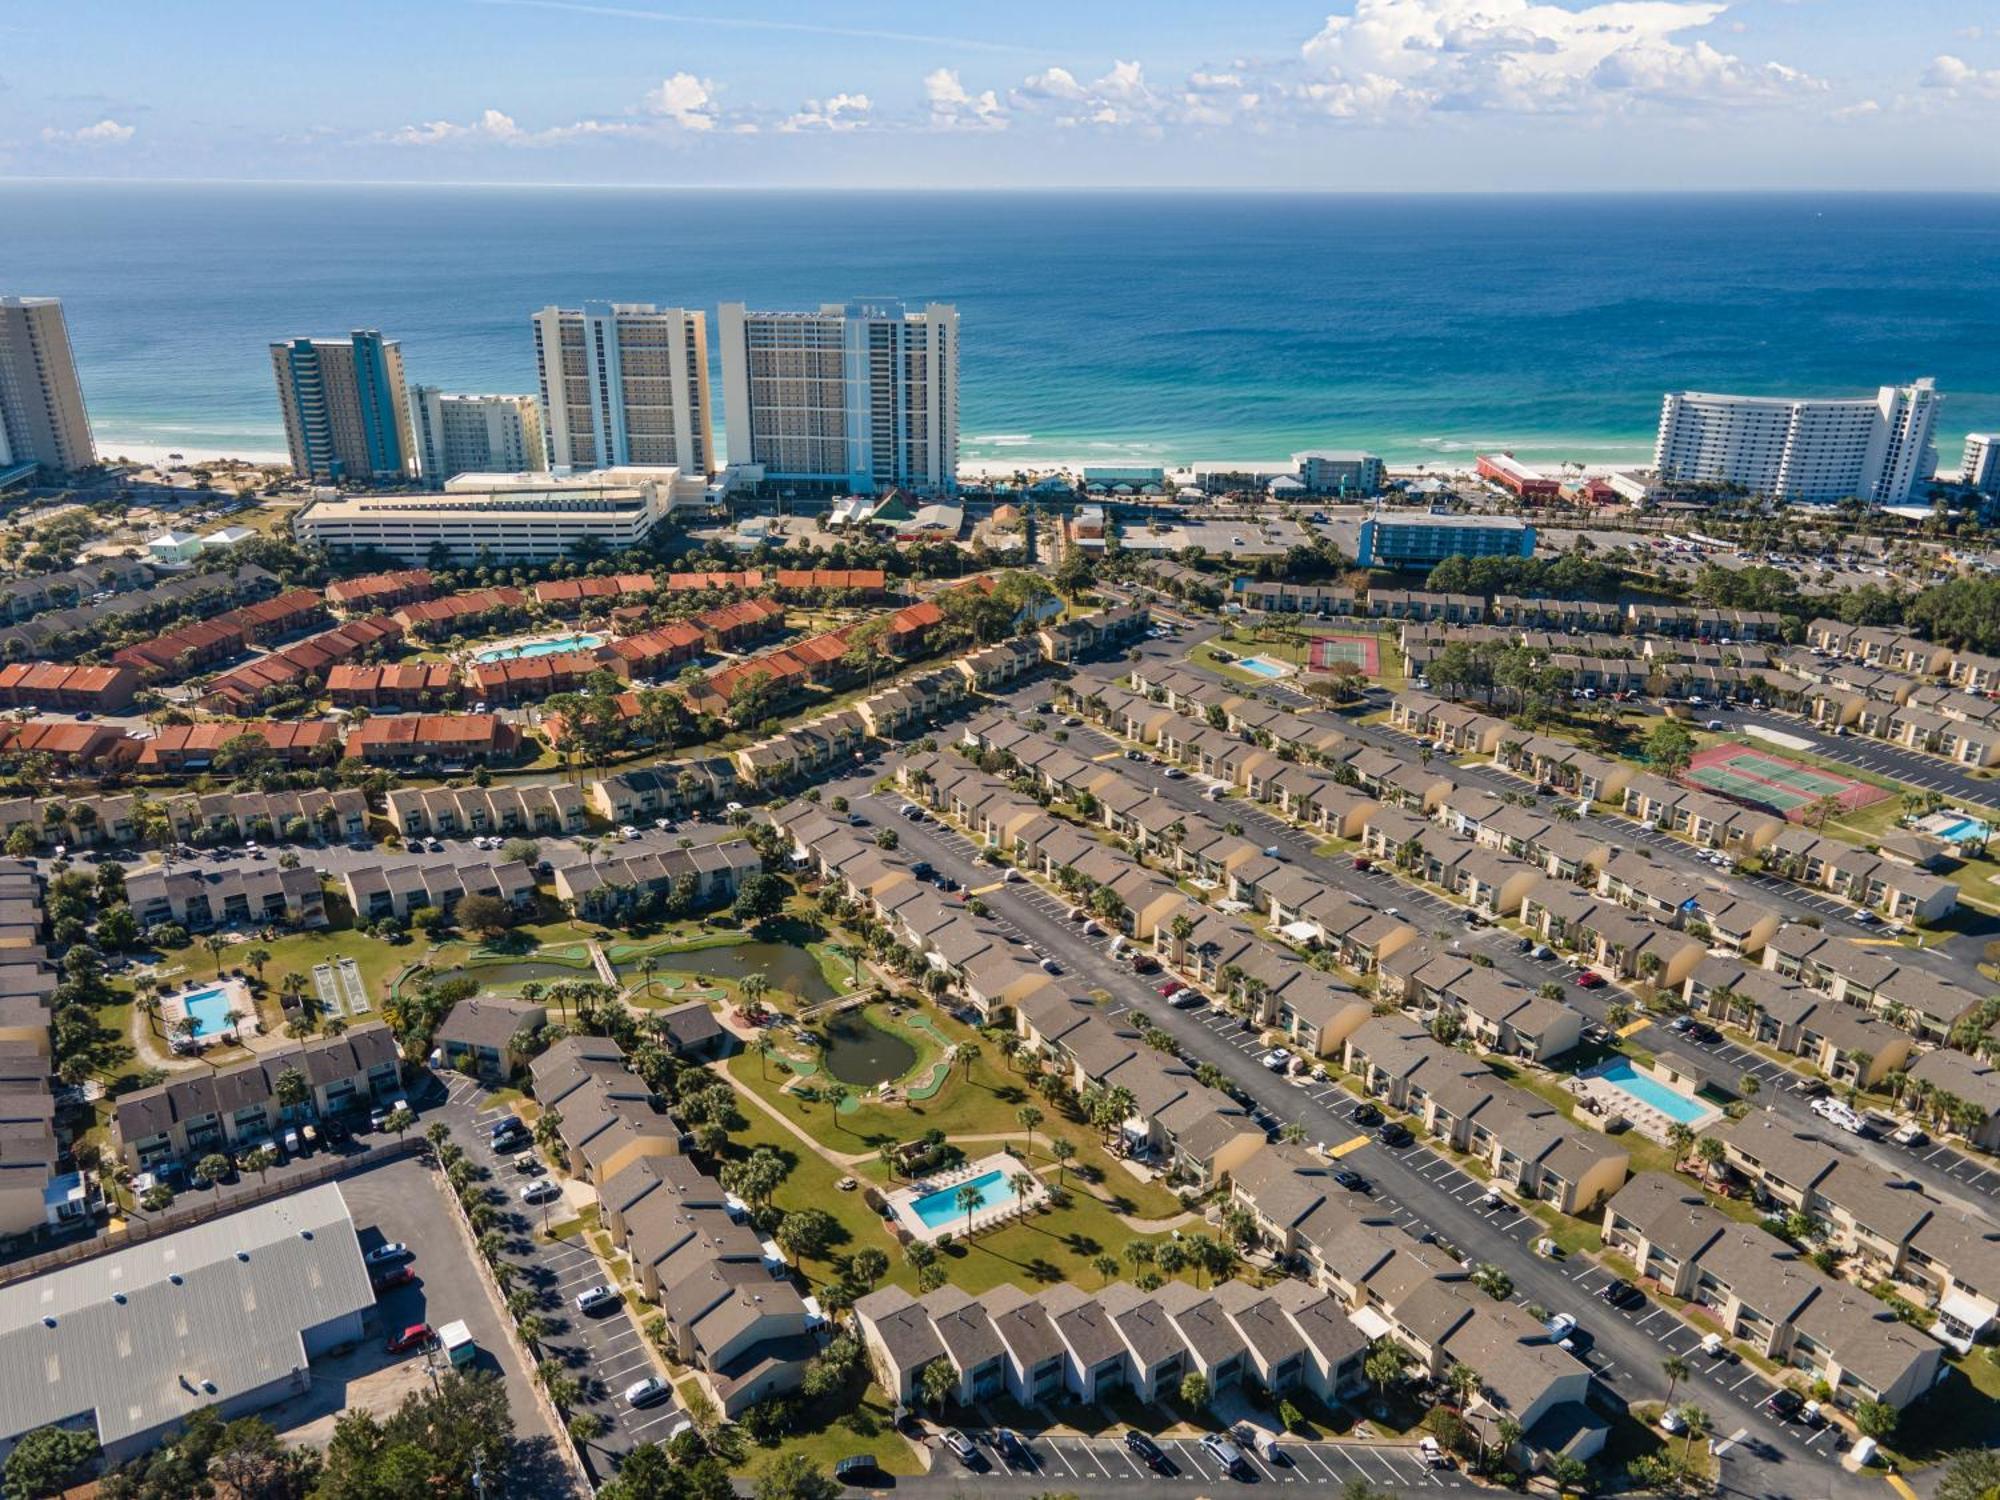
202	899
66	688
859	396
625	383
1816	450
701	877
375	592
450	740
230	1108
667	790
378	891
346	407
42	415
1417	539
461	434
515	809
408	687
182	748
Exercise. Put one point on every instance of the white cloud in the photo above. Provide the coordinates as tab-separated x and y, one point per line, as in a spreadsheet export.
106	132
1119	97
491	125
841	112
1956	78
1859	110
953	108
685	100
1521	56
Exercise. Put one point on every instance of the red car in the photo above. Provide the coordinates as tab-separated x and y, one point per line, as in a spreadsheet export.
414	1337
1170	986
1588	979
388	1281
1363	862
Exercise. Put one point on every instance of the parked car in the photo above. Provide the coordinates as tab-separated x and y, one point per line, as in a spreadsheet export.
1588	979
1618	1292
541	1190
592	1298
1352	1180
1394	1134
1012	1449
388	1281
1911	1135
1365	1114
646	1392
387	1254
1148	1452
414	1337
960	1446
1226	1454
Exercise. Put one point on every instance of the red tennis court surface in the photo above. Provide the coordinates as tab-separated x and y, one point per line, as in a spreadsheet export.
1766	780
1363	651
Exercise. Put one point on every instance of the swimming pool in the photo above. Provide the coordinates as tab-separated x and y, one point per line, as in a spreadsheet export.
940	1210
1258	666
209	1010
1627	1079
1963	831
553	646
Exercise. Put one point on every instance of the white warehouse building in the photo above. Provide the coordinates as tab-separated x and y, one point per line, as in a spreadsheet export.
1878	449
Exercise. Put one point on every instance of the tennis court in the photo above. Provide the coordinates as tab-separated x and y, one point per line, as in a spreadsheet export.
1363	651
1766	780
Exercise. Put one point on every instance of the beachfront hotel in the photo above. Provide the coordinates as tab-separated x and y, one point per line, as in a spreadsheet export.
625	383
1878	448
505	517
475	434
42	418
346	407
860	396
1980	468
1417	539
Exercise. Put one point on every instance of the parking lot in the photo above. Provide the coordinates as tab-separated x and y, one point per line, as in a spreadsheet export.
402	1200
605	1352
1090	1460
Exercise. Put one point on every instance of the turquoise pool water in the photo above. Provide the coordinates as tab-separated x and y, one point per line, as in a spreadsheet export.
1964	831
940	1210
553	646
1621	1075
1257	666
209	1009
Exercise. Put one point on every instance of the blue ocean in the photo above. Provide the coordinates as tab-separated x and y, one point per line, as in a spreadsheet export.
1108	326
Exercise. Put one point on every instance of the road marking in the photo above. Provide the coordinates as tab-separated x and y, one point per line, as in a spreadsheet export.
1635	1027
987	890
1346	1146
1901	1486
1110	755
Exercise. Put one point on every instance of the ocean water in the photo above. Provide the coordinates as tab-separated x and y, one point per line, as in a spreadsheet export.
1115	326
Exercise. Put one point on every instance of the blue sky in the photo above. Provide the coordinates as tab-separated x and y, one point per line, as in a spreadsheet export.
1344	94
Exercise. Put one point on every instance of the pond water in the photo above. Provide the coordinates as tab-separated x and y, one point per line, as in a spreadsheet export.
861	1053
792	970
507	976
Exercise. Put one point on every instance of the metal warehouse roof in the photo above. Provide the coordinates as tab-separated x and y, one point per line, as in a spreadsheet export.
145	1335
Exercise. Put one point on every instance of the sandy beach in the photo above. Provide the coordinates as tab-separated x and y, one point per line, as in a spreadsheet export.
110	448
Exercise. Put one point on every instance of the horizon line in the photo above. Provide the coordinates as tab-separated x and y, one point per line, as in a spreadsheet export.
12	180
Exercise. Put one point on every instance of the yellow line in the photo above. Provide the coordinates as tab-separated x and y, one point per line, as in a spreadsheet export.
1110	755
986	890
1636	1027
1900	1486
1876	942
1346	1146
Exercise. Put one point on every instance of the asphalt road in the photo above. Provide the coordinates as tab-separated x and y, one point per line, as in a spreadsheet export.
1414	1186
606	1351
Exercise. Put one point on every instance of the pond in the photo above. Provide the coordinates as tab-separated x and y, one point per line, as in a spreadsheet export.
793	970
860	1052
513	974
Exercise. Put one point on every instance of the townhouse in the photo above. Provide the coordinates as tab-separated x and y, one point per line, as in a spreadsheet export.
453	741
652	653
201	899
298	669
215	817
181	748
529	679
567	595
463	612
730	627
375	592
523	809
704	876
412	687
1890	885
1766	1293
486	1037
231	1108
1698	816
669	790
378	891
67	688
1328	600
1972	1084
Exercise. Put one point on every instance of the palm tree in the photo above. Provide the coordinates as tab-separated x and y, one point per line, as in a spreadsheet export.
1464	1382
1064	1153
1697	1426
968	1053
1023	1183
216	947
256	958
835	1095
648	967
968	1199
764	1047
1676	1370
1385	1364
1030	1117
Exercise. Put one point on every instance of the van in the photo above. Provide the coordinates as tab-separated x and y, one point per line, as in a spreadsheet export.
1261	1441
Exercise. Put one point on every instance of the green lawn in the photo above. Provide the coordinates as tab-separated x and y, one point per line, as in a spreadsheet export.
1961	1411
837	1427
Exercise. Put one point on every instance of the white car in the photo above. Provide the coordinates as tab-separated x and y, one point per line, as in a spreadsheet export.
962	1447
1560	1327
387	1255
591	1298
628	832
646	1392
1670	1421
540	1191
